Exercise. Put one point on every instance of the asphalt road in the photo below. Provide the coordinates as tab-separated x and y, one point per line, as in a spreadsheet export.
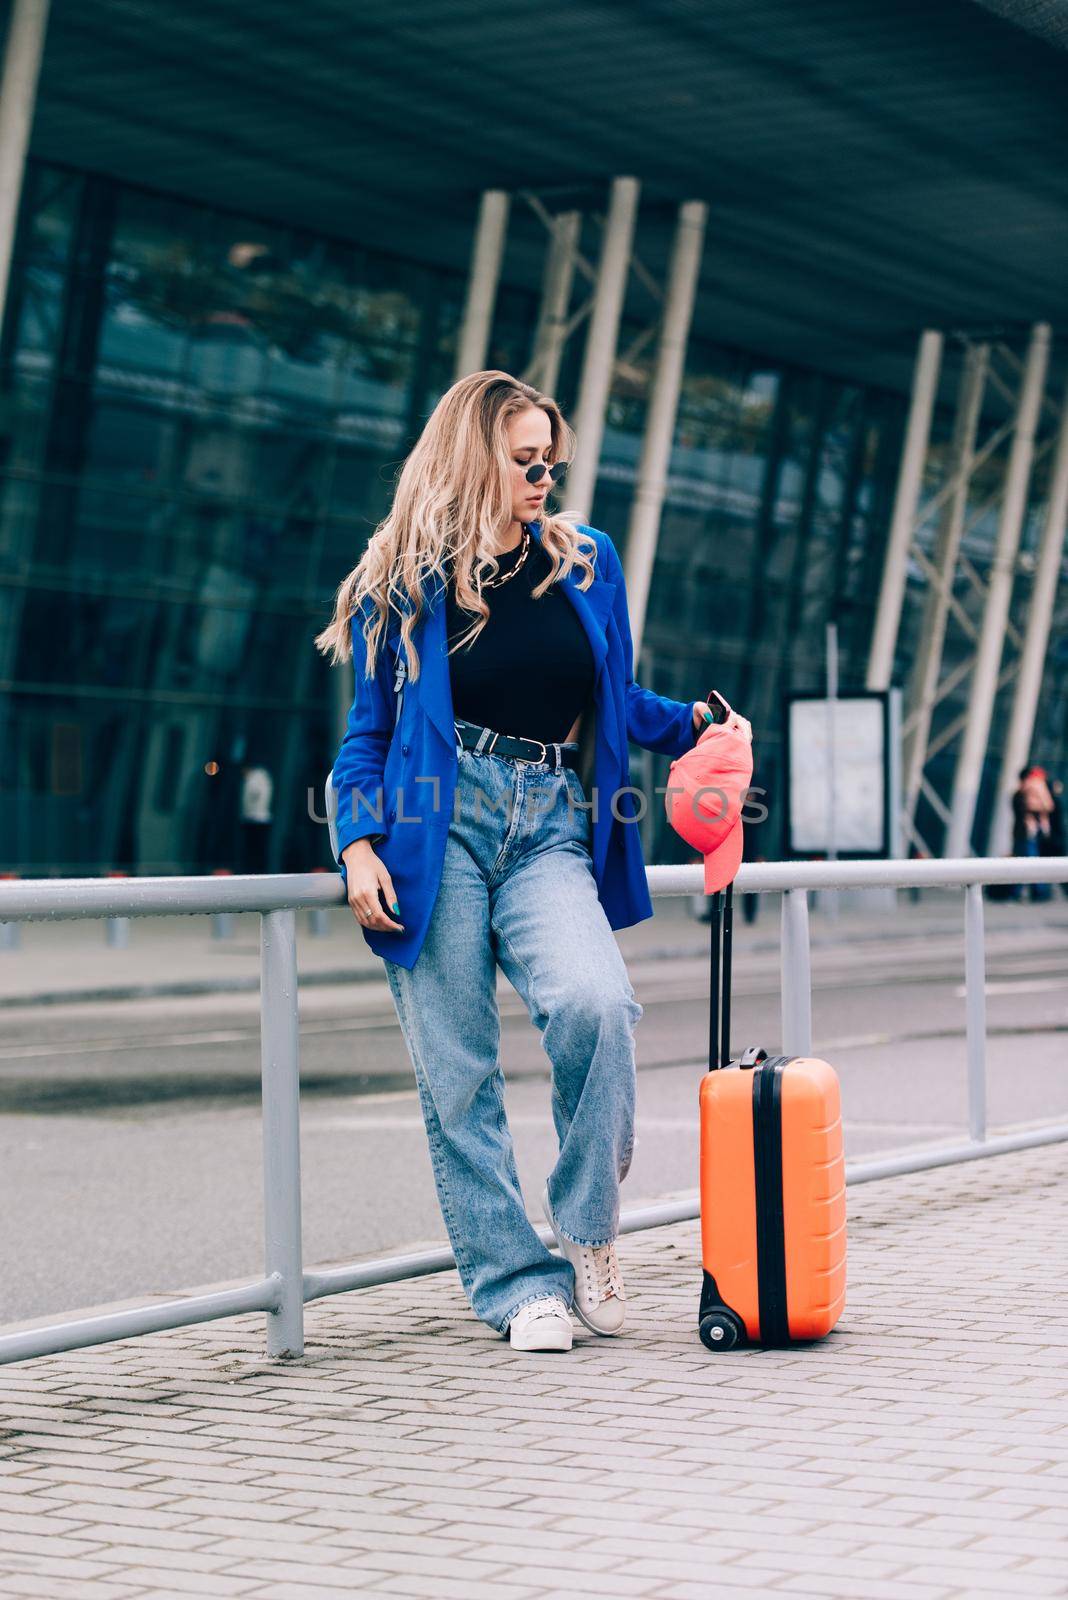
130	1135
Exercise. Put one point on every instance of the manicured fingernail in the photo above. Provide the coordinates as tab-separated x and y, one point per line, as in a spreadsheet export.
396	907
708	716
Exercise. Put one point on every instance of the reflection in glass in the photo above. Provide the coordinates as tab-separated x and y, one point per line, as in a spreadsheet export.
203	412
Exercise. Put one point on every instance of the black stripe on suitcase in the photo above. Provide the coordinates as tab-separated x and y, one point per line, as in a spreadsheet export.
771	1236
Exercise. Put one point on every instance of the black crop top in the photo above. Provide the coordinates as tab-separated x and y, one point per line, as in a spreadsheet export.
530	670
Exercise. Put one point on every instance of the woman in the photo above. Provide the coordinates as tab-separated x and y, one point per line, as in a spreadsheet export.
495	698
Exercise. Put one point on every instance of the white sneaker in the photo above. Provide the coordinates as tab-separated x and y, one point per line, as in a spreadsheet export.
542	1324
599	1296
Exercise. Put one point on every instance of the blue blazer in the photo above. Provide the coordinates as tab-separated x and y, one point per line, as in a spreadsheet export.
399	782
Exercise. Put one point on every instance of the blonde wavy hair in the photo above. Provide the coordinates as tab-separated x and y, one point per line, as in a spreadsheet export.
452	503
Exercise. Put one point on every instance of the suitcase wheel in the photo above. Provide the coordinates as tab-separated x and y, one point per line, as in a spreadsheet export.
720	1331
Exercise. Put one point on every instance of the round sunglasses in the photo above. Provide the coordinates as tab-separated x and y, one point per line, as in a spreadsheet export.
533	473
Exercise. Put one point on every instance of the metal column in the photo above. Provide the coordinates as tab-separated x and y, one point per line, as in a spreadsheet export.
23	50
599	355
796	999
984	683
924	681
975	1008
280	1065
662	410
910	479
551	334
1035	645
473	341
18	98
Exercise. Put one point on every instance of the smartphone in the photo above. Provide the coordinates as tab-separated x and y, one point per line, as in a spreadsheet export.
718	706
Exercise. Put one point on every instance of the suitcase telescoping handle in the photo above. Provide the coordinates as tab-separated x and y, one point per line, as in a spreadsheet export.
719	989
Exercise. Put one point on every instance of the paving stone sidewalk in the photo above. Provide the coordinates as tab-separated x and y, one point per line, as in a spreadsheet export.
921	1451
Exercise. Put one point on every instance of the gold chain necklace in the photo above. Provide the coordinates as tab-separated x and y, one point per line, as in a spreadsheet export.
495	583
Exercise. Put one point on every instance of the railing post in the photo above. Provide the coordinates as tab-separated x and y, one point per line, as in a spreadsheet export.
280	1059
975	1008
796	974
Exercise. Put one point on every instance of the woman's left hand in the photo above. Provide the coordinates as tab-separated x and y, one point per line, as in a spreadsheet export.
702	719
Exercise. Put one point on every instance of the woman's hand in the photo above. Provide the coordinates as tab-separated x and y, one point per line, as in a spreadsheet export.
365	875
702	717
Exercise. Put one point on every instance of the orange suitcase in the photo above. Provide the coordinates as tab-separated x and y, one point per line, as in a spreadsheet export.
773	1204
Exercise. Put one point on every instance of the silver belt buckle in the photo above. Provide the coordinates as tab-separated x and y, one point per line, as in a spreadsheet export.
544	753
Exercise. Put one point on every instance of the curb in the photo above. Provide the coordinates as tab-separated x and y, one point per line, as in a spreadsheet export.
191	986
178	988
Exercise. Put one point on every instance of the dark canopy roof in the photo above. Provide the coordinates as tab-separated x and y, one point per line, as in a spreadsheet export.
871	166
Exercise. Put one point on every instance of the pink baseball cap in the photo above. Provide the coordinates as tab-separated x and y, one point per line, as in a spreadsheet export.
705	793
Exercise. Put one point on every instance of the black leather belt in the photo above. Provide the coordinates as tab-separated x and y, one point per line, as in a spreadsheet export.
484	741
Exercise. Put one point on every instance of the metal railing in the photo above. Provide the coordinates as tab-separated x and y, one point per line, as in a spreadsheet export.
286	1287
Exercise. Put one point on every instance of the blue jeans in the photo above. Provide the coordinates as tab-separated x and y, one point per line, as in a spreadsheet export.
1040	892
517	890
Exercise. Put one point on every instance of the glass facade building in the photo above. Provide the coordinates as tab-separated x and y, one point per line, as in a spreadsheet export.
202	418
203	415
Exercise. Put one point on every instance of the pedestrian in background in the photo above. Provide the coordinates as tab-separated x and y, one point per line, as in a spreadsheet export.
1053	843
256	793
1032	811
